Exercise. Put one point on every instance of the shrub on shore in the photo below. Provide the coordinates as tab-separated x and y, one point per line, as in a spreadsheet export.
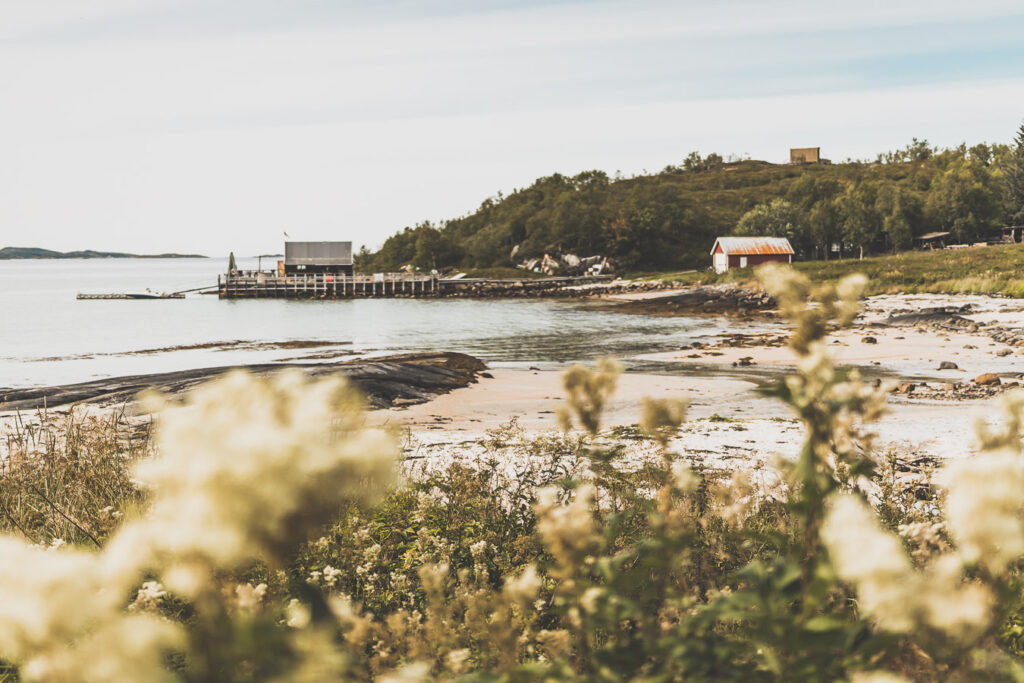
274	536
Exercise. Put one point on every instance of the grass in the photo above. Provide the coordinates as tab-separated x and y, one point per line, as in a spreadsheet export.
62	476
974	270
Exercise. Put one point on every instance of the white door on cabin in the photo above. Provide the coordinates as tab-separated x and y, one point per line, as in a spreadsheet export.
721	262
743	261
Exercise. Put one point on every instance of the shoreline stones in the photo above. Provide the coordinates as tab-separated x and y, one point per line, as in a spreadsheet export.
987	379
548	288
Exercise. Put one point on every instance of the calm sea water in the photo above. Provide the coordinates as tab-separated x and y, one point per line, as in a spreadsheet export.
49	337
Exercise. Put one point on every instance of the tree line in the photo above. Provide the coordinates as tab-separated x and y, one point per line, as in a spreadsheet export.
669	219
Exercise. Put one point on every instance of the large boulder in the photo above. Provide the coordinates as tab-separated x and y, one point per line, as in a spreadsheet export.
987	379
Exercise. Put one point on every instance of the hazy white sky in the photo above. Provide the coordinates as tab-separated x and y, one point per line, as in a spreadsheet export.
215	125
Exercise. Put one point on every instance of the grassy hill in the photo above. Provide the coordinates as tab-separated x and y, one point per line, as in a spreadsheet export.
669	219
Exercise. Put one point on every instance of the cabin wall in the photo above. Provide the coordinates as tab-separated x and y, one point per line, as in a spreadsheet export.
290	269
719	259
749	261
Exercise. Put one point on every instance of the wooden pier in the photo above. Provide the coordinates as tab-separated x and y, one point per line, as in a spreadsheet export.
269	285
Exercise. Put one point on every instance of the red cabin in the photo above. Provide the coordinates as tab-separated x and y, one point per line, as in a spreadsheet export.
743	252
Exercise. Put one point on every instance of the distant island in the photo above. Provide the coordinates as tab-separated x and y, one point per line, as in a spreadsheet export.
37	253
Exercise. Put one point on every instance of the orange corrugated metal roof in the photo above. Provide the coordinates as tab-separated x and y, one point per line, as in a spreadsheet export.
750	246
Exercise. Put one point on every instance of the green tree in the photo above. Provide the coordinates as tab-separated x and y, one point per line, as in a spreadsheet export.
810	189
433	249
695	162
778	218
862	223
825	223
964	200
916	151
901	212
1014	179
362	258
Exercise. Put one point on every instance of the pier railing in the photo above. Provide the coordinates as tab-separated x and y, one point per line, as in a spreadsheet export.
263	285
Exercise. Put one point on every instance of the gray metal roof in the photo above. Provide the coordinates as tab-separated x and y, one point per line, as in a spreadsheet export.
318	253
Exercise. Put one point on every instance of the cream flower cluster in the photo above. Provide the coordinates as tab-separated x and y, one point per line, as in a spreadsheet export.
568	531
587	392
984	510
889	589
61	620
248	469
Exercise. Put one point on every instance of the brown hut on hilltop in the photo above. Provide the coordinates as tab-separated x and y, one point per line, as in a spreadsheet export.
743	252
806	155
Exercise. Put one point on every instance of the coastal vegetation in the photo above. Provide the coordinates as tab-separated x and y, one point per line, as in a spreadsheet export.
668	220
267	533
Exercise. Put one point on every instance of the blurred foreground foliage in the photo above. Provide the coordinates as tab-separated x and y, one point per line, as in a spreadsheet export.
274	536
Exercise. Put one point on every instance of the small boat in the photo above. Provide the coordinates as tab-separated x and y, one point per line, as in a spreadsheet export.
134	295
153	295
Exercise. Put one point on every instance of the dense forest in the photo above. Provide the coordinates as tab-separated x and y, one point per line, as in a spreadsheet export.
669	219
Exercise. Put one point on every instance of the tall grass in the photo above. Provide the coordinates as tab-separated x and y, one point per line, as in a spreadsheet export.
64	477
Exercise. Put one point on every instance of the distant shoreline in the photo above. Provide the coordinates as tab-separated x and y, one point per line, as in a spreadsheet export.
24	253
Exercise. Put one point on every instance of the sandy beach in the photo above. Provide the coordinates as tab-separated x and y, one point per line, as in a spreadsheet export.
729	421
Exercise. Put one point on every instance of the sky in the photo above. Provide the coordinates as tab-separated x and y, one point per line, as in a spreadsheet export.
205	126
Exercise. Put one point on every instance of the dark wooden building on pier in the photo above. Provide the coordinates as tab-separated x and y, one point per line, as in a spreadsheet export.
321	258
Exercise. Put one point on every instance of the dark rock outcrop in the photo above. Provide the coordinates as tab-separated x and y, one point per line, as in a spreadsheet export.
406	379
699	301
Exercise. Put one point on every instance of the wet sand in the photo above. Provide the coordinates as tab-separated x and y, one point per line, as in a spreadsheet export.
746	421
532	397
